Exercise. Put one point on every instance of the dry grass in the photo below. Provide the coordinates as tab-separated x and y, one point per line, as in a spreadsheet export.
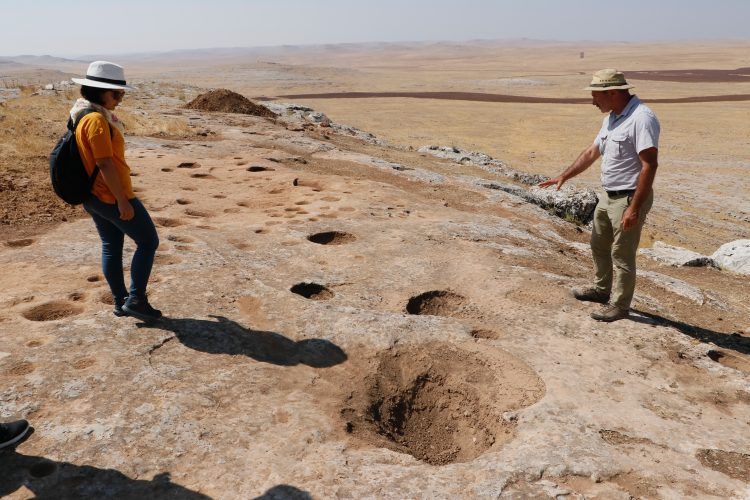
29	128
30	125
144	123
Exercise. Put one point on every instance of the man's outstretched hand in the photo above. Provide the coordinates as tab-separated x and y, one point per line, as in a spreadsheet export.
559	180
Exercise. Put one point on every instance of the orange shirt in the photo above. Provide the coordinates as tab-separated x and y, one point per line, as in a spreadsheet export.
94	142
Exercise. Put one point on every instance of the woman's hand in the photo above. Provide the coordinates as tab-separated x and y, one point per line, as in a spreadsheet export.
126	209
112	180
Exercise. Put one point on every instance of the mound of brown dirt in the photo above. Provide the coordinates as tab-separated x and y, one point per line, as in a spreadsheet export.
227	101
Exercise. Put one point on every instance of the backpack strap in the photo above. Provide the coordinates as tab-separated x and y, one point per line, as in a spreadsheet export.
72	126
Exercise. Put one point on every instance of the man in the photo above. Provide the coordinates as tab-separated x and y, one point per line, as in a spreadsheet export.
12	432
628	144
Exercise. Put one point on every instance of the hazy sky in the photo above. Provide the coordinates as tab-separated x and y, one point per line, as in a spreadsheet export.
70	28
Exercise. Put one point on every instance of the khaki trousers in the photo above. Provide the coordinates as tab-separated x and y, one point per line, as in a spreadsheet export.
611	245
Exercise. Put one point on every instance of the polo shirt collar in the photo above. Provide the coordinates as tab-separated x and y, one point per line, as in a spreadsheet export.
632	103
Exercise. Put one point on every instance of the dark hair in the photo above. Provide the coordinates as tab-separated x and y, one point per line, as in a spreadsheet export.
93	94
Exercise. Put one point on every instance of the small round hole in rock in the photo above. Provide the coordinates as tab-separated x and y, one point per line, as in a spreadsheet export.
312	291
436	303
52	311
332	238
484	333
43	469
19	243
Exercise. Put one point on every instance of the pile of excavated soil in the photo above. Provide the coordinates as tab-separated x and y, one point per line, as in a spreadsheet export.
226	101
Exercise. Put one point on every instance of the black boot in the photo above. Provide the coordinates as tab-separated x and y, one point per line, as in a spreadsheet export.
138	307
13	432
117	310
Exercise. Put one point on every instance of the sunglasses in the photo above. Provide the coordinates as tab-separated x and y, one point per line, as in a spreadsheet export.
118	94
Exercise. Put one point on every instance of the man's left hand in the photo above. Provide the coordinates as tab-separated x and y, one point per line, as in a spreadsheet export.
629	218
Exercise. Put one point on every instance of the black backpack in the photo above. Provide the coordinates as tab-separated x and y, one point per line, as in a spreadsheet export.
69	178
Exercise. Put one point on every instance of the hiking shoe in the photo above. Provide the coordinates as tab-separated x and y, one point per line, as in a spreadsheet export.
610	313
117	310
138	307
591	294
13	432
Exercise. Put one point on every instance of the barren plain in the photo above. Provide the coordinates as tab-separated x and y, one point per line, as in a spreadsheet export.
347	317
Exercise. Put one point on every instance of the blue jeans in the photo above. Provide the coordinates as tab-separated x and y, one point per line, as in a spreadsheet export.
112	231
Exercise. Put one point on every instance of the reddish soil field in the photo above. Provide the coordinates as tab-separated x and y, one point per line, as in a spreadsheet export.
483	97
693	75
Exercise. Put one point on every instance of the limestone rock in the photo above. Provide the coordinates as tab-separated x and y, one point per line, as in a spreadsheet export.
573	205
734	256
483	160
300	115
675	256
355	132
675	286
388	166
10	93
568	203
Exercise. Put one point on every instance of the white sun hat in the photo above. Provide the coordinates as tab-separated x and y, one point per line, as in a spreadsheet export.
104	75
608	79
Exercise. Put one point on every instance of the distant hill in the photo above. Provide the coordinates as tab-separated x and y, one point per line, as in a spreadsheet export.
233	53
229	53
219	54
44	60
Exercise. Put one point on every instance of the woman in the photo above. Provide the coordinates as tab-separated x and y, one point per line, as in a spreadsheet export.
115	209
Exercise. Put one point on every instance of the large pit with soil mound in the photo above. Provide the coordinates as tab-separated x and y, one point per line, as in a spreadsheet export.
441	403
226	101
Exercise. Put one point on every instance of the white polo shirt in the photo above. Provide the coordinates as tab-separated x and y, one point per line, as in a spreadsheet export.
620	140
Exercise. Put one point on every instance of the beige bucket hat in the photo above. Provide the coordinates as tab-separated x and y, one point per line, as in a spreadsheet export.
608	79
104	75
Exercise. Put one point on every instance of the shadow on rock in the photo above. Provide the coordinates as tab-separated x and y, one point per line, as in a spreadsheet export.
733	341
225	336
50	479
284	492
